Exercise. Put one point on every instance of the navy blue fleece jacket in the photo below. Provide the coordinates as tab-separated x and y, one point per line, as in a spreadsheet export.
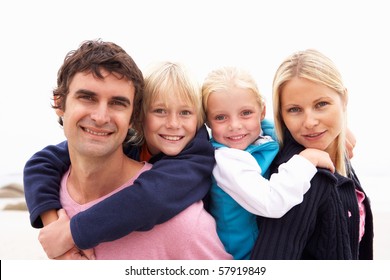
157	195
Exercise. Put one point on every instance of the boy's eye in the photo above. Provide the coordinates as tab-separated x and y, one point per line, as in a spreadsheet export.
185	113
220	117
159	111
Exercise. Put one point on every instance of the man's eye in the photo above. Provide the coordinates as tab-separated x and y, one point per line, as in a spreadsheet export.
86	97
119	103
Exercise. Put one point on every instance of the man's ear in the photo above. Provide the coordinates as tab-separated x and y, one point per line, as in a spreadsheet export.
57	105
59	112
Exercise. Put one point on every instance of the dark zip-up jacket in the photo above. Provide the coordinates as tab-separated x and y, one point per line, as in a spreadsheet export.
324	226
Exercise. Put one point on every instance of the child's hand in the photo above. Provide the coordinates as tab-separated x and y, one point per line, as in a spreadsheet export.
318	158
89	254
72	254
56	238
77	254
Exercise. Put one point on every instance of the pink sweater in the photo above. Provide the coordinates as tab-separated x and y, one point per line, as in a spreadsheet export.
190	235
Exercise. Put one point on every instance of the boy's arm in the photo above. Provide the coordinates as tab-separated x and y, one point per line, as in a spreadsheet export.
41	180
48	217
157	195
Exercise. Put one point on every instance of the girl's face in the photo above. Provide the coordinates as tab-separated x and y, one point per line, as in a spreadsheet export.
234	117
169	125
313	113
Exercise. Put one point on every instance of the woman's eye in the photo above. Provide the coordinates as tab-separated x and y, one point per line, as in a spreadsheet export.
321	104
293	110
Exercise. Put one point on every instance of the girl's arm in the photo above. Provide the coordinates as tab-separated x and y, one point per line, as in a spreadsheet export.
238	174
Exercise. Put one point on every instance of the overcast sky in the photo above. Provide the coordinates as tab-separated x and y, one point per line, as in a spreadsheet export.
256	35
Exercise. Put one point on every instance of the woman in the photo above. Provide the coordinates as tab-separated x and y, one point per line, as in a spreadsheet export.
334	221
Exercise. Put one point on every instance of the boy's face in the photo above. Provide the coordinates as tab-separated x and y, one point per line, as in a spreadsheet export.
169	125
234	117
97	114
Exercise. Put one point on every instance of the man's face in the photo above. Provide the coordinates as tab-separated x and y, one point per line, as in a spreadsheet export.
97	114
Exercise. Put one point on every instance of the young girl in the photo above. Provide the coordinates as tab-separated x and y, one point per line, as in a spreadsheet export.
334	221
235	110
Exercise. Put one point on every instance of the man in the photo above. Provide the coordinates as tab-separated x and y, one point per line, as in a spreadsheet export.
97	87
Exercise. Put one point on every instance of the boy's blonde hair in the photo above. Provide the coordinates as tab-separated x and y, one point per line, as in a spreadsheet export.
165	79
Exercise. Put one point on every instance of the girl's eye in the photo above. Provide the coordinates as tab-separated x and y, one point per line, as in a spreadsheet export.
246	113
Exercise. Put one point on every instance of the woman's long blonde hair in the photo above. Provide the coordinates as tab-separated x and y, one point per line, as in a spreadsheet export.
316	67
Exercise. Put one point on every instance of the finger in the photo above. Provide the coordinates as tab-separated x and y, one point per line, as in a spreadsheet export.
89	254
61	213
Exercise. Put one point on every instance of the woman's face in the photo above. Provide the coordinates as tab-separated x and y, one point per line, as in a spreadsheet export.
313	113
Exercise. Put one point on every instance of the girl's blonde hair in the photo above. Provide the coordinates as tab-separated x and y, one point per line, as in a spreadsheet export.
316	67
225	78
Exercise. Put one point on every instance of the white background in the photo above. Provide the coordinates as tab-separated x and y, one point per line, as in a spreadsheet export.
204	34
256	35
